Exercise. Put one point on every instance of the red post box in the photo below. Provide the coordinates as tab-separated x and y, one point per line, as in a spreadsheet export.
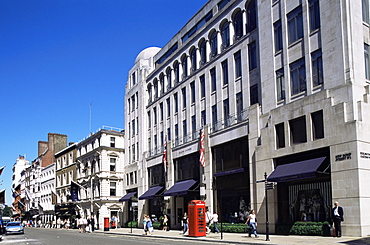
197	218
106	224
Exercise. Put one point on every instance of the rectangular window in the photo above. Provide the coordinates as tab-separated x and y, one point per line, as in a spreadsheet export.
238	64
193	127
168	103
169	133
280	136
366	11
367	61
184	131
280	85
225	72
298	77
113	188
192	91
227	121
203	118
214	117
155	142
314	14
317	125
295	25
239	106
298	130
149	119
278	34
161	112
202	82
317	68
176	134
175	98
112	142
213	79
252	55
113	164
133	103
155	115
133	77
133	153
254	94
183	92
133	127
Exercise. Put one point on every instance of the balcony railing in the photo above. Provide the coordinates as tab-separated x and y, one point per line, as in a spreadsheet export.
230	121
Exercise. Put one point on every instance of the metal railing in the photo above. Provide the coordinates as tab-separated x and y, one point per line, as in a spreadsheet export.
230	121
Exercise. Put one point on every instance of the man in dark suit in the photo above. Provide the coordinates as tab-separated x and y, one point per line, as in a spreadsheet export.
337	215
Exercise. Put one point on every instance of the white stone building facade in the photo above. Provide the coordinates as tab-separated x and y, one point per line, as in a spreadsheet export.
272	83
100	175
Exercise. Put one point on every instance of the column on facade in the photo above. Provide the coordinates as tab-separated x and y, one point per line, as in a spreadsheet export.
244	14
232	32
197	55
219	42
208	50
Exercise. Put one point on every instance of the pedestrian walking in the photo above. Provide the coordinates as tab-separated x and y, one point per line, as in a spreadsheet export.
164	223
149	225
144	224
338	218
252	222
215	221
208	221
184	222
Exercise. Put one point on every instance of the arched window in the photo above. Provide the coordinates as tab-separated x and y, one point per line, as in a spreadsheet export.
184	63
150	93
203	52
176	69
169	78
238	25
251	16
193	59
161	83
225	35
213	42
155	84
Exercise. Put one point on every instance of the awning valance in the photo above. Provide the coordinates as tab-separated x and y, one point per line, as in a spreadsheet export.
127	197
149	194
180	188
295	171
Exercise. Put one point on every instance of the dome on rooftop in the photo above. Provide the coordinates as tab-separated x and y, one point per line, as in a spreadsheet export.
147	53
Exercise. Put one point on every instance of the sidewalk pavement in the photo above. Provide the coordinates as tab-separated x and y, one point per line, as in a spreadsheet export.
242	238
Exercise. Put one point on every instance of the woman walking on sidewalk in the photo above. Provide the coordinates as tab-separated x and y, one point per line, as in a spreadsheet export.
252	221
184	222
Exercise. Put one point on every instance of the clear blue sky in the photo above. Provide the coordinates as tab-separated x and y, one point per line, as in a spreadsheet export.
58	57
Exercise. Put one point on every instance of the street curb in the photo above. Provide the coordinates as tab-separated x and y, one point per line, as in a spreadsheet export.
182	238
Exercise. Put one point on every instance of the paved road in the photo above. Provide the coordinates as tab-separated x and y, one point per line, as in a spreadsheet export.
35	236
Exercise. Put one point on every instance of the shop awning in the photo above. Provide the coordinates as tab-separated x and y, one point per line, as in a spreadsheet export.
149	194
296	171
127	197
228	172
180	188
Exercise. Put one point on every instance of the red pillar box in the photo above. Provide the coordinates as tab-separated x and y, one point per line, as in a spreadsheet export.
106	224
197	218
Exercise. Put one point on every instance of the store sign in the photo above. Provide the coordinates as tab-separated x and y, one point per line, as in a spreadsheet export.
343	157
365	155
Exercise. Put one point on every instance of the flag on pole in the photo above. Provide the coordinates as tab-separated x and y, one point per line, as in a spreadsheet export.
201	149
74	191
165	156
2	169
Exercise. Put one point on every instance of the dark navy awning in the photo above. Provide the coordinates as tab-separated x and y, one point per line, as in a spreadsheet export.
149	194
295	171
228	172
180	188
127	197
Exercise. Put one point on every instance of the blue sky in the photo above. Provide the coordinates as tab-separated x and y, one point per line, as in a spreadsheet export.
59	57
